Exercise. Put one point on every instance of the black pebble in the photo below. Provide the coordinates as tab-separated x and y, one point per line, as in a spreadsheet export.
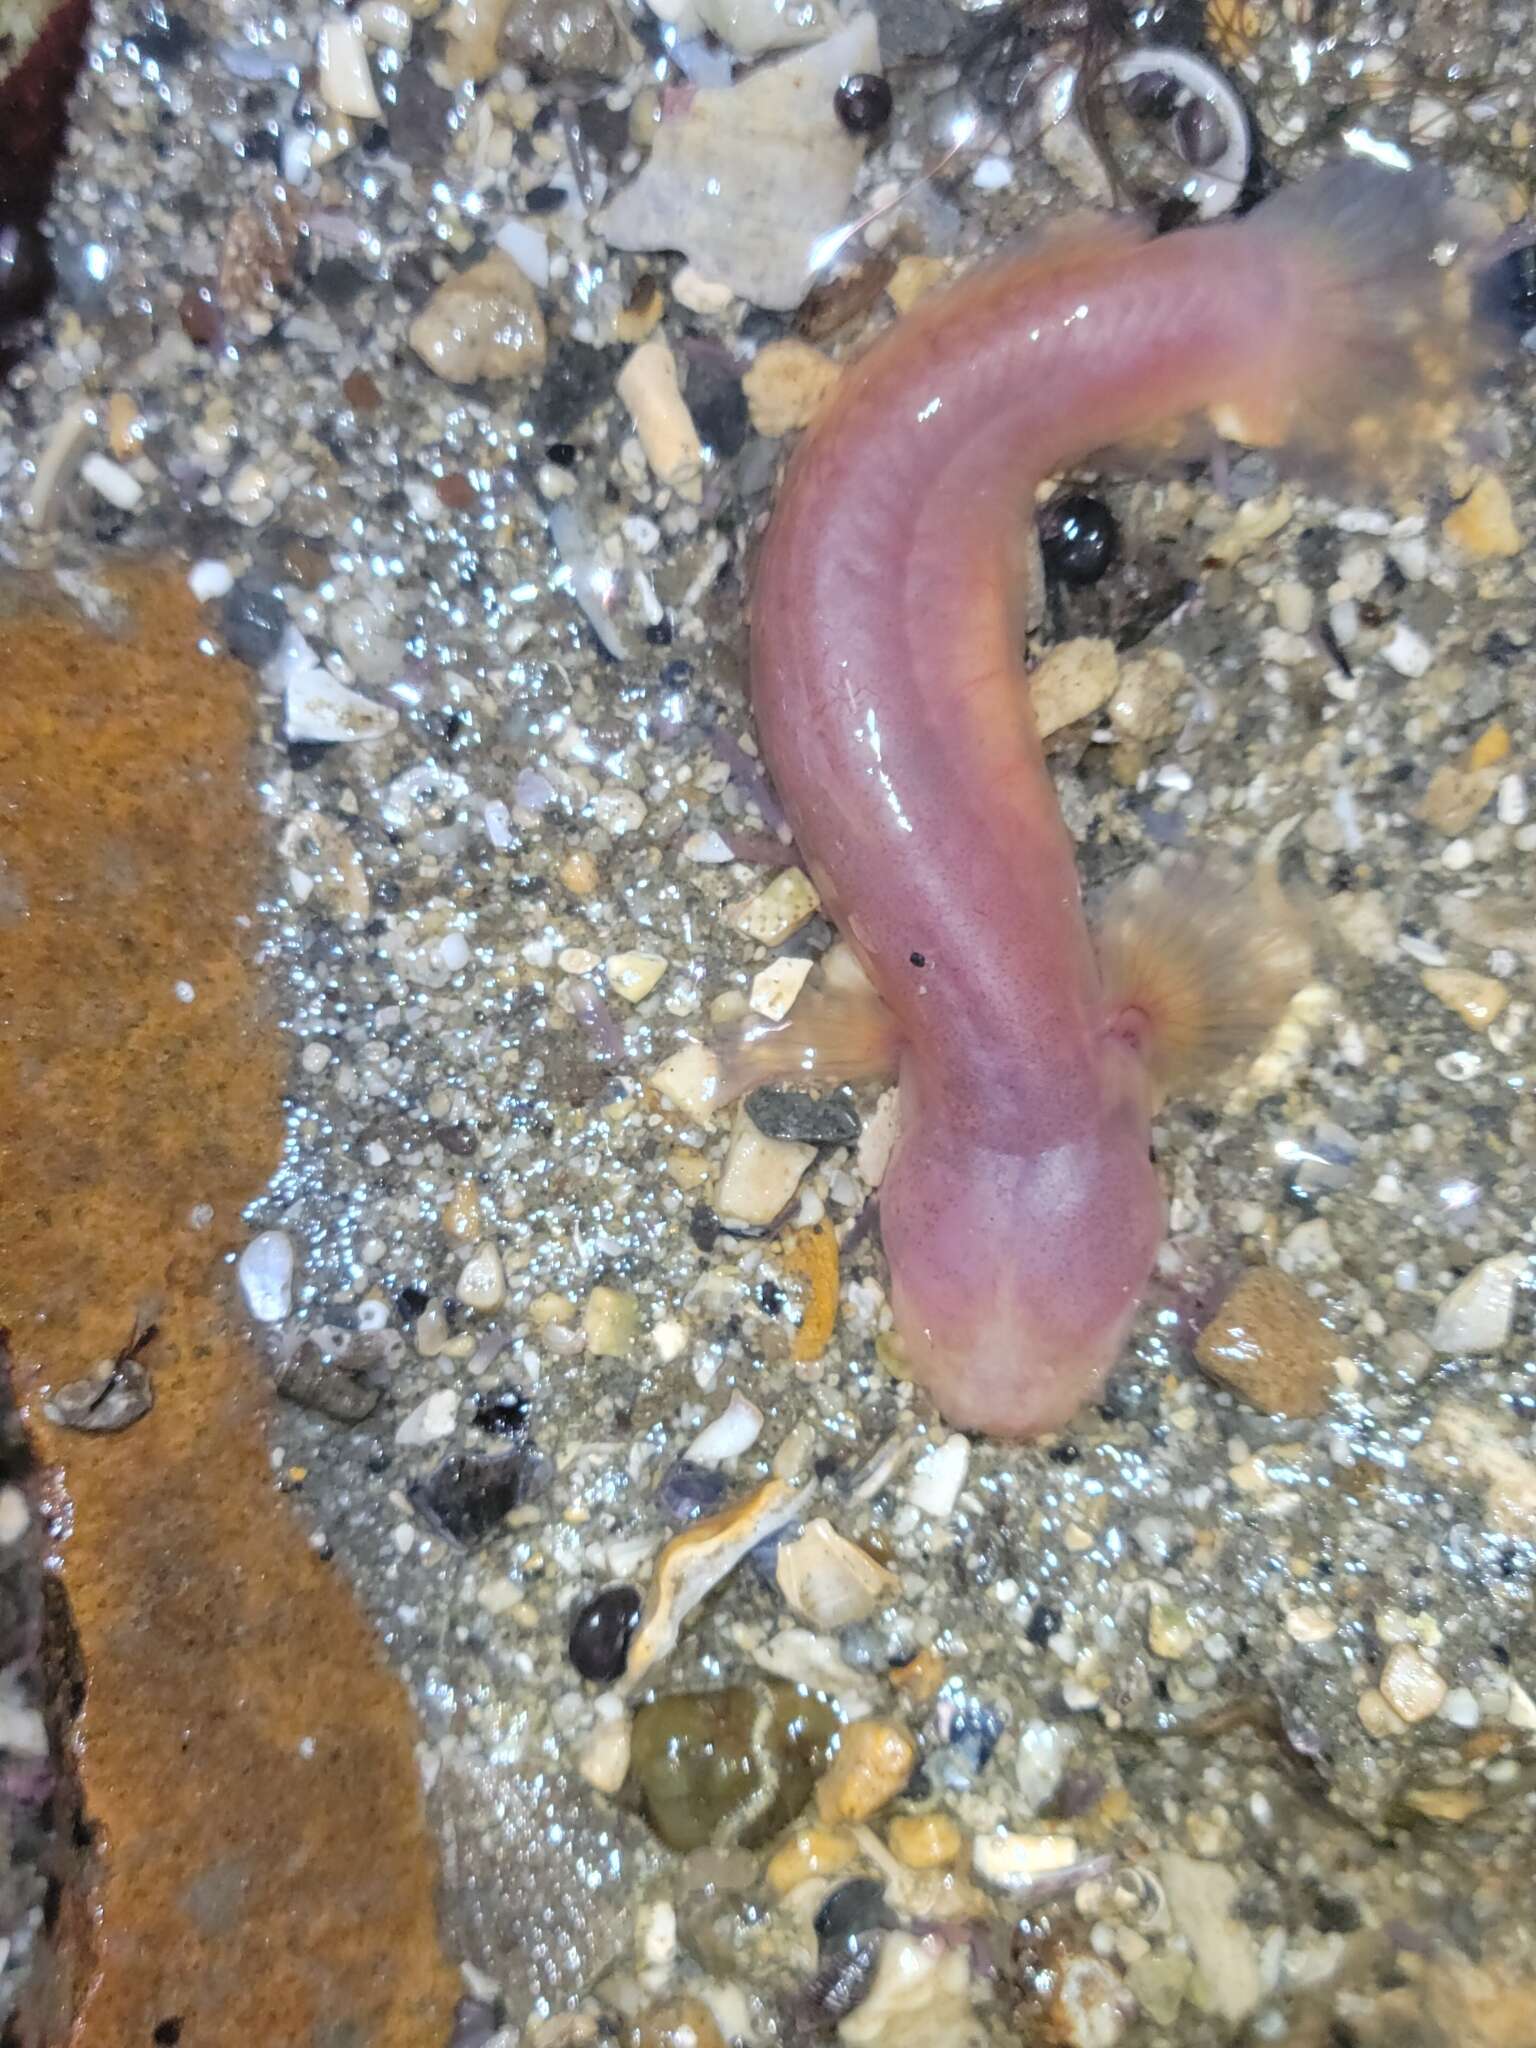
411	1302
306	754
719	408
601	1630
25	270
855	1908
255	618
467	1495
1079	538
165	38
863	103
503	1414
1041	1626
544	199
804	1119
336	282
1506	291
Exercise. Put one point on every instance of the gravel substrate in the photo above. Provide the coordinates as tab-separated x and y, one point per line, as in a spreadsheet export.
1225	1727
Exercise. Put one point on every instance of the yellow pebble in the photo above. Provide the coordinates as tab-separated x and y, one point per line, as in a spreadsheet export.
921	1677
578	871
924	1841
787	386
812	1255
1490	748
913	279
1476	998
1483	524
610	1322
873	1762
809	1852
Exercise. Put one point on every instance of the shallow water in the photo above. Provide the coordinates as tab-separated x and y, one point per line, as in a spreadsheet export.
1163	1634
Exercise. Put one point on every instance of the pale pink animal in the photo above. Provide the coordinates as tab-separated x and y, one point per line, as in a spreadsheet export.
1021	1210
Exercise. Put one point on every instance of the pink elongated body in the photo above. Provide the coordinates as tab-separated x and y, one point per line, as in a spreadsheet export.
1020	1211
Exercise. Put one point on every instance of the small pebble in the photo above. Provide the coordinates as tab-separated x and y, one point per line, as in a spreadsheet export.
735	1430
1476	998
265	1270
483	322
1079	538
611	1321
924	1841
600	1631
634	975
1406	652
1411	1686
787	386
775	988
430	1421
1483	524
777	911
482	1282
809	1852
649	388
938	1476
760	1175
1476	1317
1072	681
1268	1343
874	1760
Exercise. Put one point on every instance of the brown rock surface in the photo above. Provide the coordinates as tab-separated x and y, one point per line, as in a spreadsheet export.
258	1868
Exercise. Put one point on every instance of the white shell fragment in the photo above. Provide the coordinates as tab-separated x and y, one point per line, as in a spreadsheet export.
528	246
920	1996
734	1430
760	1174
346	83
648	385
752	183
938	1476
829	1581
109	480
749	27
431	1420
265	1271
1476	1316
694	1562
317	707
1018	1862
1214	188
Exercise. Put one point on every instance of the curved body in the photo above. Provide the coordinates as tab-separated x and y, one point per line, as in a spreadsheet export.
1020	1212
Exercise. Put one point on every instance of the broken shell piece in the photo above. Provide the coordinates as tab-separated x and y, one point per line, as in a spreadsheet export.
831	1582
760	1175
1073	680
774	990
1017	1863
777	911
634	975
752	181
1476	1316
603	1758
920	1994
482	322
346	84
317	707
734	1430
648	386
689	1079
694	1563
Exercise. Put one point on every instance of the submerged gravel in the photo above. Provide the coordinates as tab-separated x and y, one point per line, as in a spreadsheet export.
1257	1670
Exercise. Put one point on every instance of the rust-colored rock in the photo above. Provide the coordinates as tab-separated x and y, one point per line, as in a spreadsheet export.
258	1868
1268	1343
